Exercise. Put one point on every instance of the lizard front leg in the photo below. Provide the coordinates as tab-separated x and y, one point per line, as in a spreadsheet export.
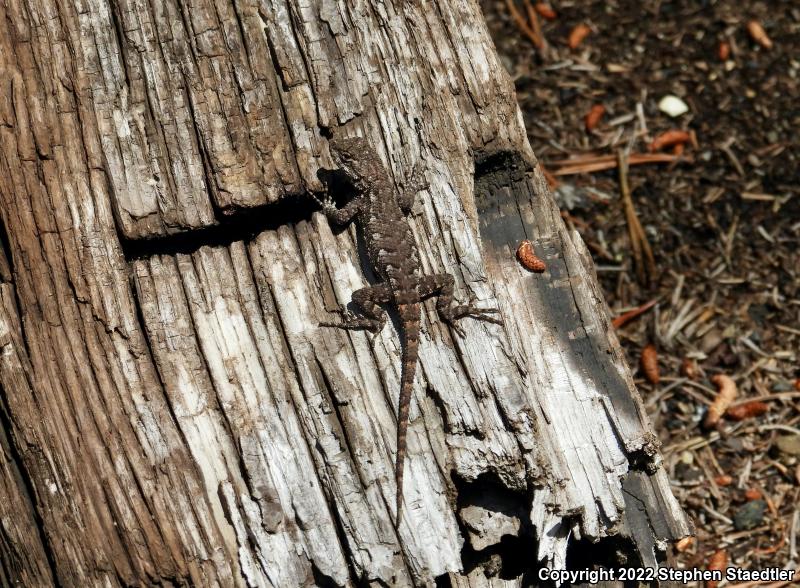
442	285
367	301
415	184
340	216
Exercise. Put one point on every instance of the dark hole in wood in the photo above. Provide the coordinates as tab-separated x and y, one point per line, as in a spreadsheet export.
443	581
500	184
512	557
6	261
242	224
322	580
509	164
9	444
611	552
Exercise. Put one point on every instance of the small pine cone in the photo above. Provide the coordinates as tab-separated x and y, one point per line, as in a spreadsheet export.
528	258
650	364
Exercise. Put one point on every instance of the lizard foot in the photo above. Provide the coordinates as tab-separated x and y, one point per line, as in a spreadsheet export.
326	202
353	322
453	314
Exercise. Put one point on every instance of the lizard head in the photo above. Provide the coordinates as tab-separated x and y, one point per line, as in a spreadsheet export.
350	154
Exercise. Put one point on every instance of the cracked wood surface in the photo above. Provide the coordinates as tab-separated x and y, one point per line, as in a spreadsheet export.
179	417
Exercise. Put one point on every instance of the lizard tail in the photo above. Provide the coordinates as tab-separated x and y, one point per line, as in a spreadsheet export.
410	315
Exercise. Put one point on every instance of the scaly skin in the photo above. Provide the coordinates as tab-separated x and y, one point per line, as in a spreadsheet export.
380	213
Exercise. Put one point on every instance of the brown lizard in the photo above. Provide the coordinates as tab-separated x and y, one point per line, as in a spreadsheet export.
380	213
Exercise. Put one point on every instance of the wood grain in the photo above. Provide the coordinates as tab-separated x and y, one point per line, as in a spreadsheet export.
178	416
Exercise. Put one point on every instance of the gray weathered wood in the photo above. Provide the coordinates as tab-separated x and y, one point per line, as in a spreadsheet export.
178	413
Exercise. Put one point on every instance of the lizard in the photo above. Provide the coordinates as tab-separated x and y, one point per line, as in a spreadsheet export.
380	211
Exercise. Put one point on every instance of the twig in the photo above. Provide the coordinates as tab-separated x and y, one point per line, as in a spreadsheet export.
523	24
726	149
632	314
765	397
643	258
582	165
690	444
779	427
612	158
663	392
536	25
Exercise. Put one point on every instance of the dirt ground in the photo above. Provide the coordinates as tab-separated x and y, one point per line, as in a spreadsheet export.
722	220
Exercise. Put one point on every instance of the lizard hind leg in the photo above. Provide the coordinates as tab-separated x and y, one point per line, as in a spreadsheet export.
367	301
442	285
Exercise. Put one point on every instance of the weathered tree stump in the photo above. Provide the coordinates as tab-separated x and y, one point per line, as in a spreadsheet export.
171	411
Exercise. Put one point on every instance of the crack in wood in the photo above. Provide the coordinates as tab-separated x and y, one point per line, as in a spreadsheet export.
242	225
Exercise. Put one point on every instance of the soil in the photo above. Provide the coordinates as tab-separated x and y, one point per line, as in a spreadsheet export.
723	222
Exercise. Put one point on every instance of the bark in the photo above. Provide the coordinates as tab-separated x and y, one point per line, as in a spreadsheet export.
171	411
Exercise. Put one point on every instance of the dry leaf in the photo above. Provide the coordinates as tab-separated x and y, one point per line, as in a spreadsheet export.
545	11
577	35
684	544
753	494
595	114
758	34
724	480
689	368
717	561
747	410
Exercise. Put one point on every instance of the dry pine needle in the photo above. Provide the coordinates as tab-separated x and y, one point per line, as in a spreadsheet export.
669	138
